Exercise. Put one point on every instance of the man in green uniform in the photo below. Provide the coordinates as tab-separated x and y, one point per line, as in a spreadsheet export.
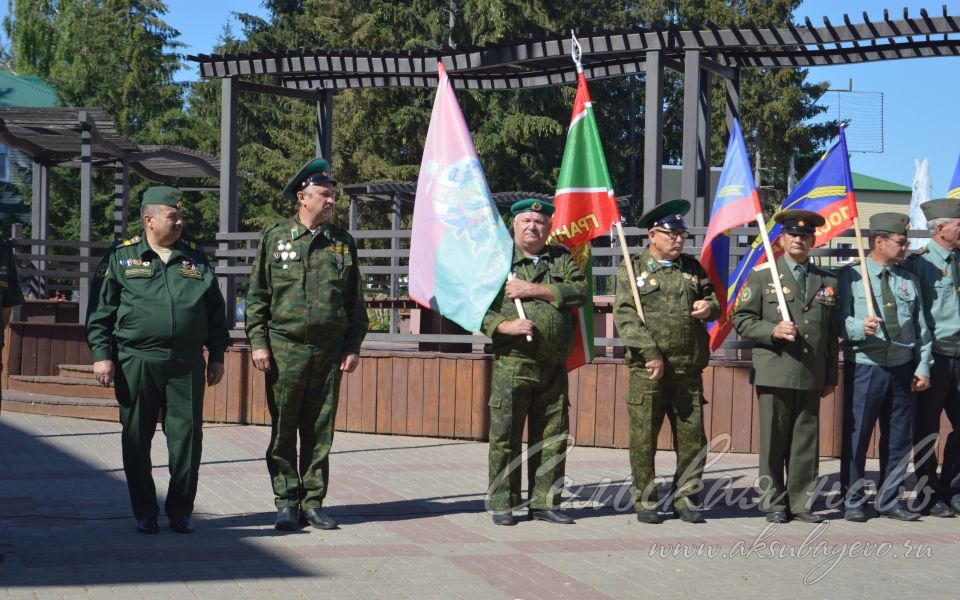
154	305
794	365
529	372
305	320
936	268
667	351
10	293
886	358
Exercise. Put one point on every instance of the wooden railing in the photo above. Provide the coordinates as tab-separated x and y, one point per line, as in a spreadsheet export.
50	265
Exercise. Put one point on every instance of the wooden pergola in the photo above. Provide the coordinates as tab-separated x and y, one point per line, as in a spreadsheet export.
698	54
87	138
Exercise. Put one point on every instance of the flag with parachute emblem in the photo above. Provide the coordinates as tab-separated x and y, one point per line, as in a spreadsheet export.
954	190
736	203
826	189
586	208
460	250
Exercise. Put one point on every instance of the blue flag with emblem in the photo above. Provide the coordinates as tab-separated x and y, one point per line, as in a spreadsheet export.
954	190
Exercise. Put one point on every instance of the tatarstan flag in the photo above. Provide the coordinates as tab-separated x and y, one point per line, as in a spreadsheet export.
585	208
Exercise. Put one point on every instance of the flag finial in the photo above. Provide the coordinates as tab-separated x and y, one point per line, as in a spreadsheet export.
576	52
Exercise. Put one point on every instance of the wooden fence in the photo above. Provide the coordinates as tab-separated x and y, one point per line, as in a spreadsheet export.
445	395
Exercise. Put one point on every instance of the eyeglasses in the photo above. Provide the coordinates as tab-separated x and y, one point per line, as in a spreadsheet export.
679	234
899	242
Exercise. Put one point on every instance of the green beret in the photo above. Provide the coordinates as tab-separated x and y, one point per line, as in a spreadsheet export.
889	222
668	215
799	221
315	172
544	207
165	195
941	208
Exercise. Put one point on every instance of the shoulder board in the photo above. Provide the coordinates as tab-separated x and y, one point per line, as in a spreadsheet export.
852	263
129	242
917	253
762	267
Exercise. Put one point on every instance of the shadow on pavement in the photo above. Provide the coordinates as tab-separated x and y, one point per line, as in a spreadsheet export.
67	522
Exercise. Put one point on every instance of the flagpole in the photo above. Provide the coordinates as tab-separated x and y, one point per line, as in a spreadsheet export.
576	52
774	272
867	287
520	312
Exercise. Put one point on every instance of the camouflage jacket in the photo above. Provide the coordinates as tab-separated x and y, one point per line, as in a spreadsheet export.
156	310
306	288
553	336
667	294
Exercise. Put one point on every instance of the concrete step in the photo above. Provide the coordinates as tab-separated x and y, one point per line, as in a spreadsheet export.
78	372
98	409
55	385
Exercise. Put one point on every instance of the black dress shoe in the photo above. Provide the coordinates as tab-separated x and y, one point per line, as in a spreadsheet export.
148	525
955	504
778	516
551	516
288	518
940	509
689	515
649	516
504	518
181	524
809	517
318	520
900	514
855	515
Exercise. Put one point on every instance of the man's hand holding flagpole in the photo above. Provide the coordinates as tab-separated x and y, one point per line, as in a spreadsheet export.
519	304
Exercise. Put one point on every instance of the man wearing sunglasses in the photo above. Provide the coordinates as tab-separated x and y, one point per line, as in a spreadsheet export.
794	366
887	357
667	350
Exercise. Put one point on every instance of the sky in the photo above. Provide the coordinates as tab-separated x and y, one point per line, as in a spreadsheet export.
920	116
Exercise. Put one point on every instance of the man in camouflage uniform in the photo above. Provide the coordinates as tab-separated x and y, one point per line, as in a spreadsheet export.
530	377
154	305
667	351
10	293
305	319
939	277
794	366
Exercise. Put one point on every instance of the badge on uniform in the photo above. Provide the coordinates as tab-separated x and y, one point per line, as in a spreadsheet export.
188	269
641	279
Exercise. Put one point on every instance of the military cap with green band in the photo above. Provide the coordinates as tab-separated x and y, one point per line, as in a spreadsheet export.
799	221
163	195
667	215
941	208
315	172
544	207
889	222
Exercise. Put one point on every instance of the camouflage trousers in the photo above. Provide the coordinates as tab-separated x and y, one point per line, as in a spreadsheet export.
679	397
525	390
303	387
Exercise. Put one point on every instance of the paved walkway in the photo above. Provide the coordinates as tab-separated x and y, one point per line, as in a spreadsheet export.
413	526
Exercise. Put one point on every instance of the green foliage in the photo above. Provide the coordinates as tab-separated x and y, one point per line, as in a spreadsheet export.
121	55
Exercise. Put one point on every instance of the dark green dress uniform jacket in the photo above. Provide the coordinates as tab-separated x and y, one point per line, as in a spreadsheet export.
667	294
152	310
306	297
553	336
808	363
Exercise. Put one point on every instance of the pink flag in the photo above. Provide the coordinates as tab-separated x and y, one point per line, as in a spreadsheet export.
460	250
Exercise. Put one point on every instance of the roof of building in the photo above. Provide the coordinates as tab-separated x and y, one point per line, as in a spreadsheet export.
865	183
24	91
